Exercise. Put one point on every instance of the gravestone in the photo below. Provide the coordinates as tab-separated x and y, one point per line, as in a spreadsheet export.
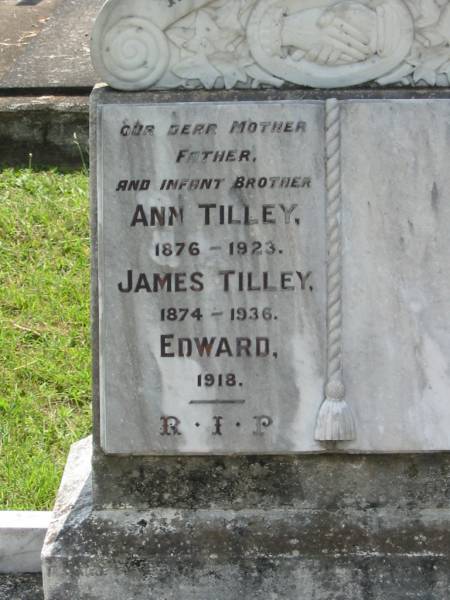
212	245
270	306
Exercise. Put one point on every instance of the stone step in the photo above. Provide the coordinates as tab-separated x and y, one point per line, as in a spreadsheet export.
257	554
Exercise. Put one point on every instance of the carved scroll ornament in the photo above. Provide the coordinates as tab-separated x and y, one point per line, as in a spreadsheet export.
138	44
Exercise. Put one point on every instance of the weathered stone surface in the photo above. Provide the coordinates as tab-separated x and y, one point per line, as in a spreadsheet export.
19	25
225	527
244	232
43	126
302	482
396	295
407	280
285	553
21	587
58	57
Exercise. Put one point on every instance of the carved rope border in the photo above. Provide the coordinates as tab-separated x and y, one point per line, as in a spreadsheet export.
335	420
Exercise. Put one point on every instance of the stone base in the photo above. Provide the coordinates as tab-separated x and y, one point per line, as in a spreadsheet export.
166	554
21	586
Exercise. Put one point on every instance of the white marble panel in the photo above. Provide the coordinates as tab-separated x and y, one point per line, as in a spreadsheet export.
396	295
21	538
250	277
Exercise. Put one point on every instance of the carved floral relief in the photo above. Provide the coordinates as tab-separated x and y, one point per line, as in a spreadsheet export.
138	44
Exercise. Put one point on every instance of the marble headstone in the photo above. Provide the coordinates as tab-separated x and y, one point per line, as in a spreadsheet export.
270	277
212	276
230	295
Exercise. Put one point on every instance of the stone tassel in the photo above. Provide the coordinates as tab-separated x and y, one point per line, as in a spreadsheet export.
335	420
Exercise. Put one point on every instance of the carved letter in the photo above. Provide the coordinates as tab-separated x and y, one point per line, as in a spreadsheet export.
262	421
169	426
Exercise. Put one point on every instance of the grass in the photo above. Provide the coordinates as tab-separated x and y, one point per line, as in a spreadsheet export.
45	388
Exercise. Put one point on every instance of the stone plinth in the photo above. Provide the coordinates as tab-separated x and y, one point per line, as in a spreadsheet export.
357	545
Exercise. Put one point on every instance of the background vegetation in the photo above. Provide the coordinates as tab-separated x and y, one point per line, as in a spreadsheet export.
44	331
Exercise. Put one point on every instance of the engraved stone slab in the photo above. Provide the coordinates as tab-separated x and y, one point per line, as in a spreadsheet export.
212	260
396	284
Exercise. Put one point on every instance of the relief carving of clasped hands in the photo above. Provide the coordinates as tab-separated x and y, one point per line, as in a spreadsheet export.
138	44
344	33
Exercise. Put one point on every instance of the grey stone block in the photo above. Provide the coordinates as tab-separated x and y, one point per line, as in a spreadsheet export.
257	553
26	586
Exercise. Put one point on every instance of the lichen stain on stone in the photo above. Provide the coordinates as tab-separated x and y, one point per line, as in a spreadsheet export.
435	198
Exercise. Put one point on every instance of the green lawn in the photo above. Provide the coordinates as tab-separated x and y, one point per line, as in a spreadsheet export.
45	389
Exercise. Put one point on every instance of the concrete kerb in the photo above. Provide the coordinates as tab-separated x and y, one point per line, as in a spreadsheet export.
21	538
22	535
39	130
